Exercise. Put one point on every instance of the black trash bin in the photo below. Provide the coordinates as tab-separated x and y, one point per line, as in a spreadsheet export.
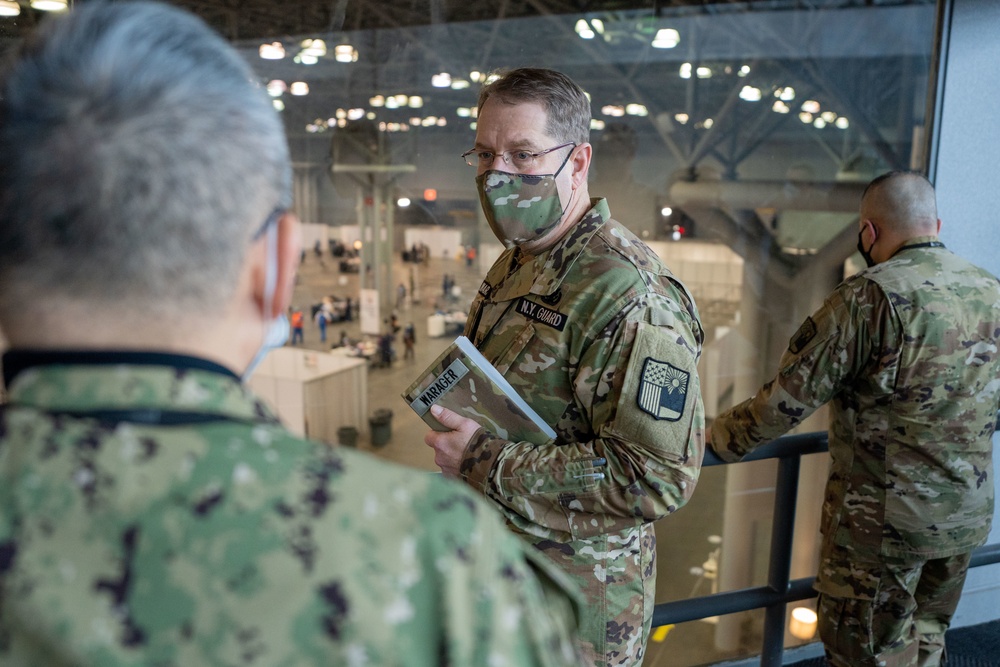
347	436
381	424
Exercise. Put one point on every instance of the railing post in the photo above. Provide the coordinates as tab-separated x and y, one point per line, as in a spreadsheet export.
779	570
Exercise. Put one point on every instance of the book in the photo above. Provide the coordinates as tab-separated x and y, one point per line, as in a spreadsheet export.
463	380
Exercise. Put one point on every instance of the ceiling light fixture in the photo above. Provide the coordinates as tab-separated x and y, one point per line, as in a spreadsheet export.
584	30
314	47
272	51
299	88
9	8
276	87
750	94
666	38
345	53
441	80
49	5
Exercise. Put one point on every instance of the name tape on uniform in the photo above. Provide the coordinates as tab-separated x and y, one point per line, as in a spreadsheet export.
442	383
540	313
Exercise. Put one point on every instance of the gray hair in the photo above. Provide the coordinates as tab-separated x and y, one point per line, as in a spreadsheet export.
139	158
566	105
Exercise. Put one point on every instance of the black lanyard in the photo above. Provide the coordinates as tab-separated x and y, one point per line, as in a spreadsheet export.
928	244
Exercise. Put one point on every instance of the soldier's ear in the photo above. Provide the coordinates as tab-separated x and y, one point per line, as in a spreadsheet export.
289	251
580	159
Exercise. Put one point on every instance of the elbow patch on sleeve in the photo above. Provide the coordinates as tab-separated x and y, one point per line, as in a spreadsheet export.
661	395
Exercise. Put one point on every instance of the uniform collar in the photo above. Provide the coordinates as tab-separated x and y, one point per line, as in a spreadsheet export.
543	274
93	380
918	242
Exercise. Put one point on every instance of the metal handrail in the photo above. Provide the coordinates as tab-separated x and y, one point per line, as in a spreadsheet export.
780	589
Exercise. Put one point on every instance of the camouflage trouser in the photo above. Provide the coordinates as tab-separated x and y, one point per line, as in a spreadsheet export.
618	598
888	612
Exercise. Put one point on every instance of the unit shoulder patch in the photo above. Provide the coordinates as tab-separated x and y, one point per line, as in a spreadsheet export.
662	390
802	337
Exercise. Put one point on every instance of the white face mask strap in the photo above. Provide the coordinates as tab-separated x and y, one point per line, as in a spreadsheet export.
270	268
275	328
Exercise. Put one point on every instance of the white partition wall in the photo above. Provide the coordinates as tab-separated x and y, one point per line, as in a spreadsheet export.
443	243
313	233
314	393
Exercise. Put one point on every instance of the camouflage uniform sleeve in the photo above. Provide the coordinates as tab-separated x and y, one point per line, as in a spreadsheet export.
639	467
504	602
831	348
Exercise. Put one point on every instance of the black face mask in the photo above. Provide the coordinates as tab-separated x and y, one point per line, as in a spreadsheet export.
866	253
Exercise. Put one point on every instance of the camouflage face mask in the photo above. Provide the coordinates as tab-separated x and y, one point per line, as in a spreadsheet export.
520	207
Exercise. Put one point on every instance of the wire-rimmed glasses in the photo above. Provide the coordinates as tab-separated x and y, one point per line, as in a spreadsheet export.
521	160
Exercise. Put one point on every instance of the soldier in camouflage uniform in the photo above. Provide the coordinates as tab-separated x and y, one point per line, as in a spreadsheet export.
906	351
601	339
152	510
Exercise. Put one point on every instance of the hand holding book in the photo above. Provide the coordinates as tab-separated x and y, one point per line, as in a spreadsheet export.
464	381
449	445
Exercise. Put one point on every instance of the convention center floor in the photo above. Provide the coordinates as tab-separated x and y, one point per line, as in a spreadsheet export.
320	277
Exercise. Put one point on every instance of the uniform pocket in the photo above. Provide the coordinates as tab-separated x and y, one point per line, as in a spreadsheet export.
511	353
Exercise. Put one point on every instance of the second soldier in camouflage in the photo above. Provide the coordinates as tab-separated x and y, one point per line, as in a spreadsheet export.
906	352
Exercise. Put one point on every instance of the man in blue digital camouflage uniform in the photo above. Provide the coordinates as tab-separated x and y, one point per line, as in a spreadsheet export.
906	354
152	510
597	335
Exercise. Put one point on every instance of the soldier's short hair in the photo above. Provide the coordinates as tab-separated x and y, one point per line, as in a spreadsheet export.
565	103
904	200
139	157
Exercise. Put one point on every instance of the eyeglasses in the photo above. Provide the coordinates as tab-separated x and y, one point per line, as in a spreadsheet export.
522	160
271	219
